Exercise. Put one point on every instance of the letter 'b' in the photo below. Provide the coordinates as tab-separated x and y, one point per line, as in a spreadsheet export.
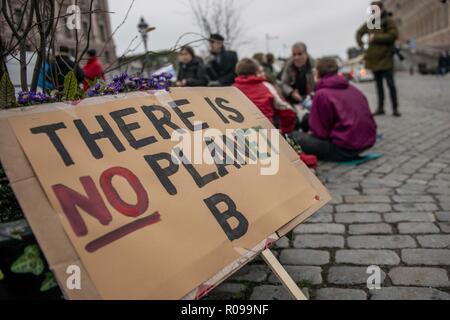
223	217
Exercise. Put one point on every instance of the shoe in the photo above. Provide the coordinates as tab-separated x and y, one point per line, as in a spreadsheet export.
397	114
379	113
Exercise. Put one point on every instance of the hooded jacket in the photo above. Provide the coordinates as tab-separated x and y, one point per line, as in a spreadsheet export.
380	54
93	70
341	113
265	97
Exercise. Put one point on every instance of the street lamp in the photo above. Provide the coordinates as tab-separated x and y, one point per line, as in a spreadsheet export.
144	29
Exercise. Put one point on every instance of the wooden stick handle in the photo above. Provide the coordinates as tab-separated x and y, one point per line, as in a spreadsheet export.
282	275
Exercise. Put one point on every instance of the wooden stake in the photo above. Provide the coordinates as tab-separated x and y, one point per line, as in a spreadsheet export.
282	275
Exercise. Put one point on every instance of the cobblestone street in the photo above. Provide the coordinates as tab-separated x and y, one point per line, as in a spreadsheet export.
393	212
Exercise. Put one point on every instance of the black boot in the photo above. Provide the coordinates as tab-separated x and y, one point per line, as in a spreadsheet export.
379	112
397	114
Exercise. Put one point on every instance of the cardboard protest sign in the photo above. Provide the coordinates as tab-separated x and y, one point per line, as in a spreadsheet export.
139	224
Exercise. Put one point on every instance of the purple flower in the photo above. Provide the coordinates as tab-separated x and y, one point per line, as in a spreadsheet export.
160	82
95	91
118	83
25	98
138	82
39	97
166	75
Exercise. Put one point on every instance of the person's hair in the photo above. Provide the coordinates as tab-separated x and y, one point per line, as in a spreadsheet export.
259	57
270	58
217	37
92	53
247	67
64	49
327	66
300	45
189	50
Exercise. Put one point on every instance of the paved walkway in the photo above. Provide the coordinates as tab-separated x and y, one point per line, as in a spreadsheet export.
393	213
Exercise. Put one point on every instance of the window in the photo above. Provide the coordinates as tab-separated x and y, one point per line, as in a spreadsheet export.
102	32
85	28
17	17
67	31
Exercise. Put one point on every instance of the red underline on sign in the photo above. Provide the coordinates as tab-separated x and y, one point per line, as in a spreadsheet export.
122	232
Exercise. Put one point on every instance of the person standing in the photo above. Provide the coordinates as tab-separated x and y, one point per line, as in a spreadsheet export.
61	66
298	78
222	63
93	69
448	60
379	57
443	63
192	71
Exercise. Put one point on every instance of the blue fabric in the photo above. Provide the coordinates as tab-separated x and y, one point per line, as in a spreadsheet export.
362	159
48	84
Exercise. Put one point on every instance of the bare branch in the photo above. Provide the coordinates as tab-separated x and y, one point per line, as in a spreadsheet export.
20	33
86	48
112	67
222	17
118	27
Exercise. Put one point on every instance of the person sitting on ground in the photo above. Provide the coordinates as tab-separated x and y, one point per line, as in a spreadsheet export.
263	94
341	123
221	64
93	70
192	71
269	61
298	78
261	58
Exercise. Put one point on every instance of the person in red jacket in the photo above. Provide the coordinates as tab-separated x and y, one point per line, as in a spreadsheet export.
264	95
93	69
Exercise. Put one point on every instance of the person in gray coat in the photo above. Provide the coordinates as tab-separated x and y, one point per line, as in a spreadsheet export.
298	78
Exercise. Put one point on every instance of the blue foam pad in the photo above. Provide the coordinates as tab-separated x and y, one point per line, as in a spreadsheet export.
362	159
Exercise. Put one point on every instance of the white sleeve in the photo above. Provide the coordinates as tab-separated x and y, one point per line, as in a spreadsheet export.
280	103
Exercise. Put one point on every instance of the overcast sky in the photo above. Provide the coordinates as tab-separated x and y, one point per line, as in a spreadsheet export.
327	26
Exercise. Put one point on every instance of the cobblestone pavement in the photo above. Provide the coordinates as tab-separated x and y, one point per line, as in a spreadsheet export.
393	212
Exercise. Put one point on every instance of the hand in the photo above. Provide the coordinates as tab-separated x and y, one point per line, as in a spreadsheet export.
214	84
181	83
296	96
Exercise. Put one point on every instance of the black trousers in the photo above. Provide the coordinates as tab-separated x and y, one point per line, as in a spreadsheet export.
323	149
389	76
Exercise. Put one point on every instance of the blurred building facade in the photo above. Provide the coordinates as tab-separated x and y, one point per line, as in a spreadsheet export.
425	22
100	35
424	27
